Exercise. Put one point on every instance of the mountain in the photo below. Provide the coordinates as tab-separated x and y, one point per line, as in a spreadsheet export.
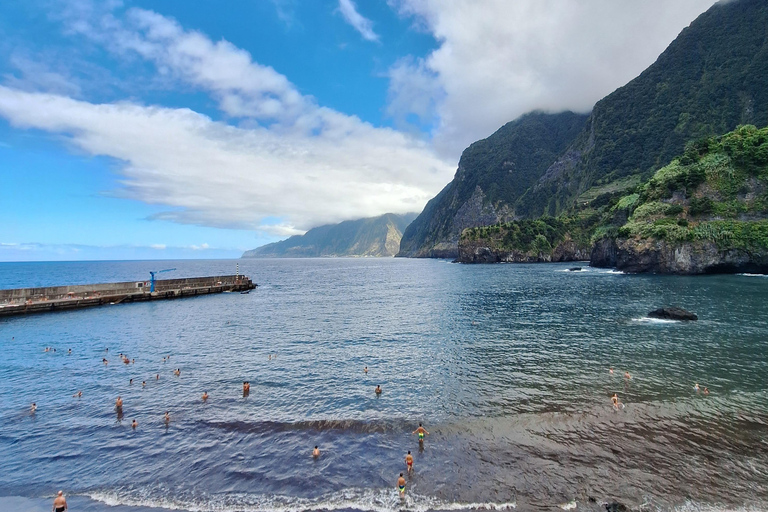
377	236
705	212
492	175
709	80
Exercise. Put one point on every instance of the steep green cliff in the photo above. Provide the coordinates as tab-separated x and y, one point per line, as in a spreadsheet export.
706	211
377	236
492	175
711	79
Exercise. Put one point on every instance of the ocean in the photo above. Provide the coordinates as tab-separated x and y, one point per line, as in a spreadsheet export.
506	366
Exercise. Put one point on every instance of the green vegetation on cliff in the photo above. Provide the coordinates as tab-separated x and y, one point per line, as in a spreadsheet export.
717	191
532	238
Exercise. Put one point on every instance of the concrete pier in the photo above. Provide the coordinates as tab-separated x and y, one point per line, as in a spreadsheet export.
21	301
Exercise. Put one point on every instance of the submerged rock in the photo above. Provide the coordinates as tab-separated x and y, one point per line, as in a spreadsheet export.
616	507
672	313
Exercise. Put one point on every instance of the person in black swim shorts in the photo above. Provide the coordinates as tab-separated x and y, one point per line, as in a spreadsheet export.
59	503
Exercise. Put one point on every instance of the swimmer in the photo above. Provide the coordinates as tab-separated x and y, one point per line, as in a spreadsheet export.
378	389
134	424
615	400
696	387
270	357
706	390
46	349
69	351
610	370
59	503
33	408
106	349
316	452
627	375
126	361
119	403
421	431
365	369
104	360
78	394
157	377
177	372
246	388
143	383
205	396
133	361
409	461
167	417
401	485
130	382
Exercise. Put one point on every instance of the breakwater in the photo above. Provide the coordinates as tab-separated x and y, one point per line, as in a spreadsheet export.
59	298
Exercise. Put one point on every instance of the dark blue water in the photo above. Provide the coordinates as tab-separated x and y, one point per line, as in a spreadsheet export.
507	366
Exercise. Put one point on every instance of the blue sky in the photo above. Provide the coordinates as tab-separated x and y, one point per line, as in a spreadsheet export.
177	129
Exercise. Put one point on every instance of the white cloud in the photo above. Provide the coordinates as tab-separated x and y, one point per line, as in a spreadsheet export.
414	90
213	174
498	59
32	75
159	247
290	166
358	21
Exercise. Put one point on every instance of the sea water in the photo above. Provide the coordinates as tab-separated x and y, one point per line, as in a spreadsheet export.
507	367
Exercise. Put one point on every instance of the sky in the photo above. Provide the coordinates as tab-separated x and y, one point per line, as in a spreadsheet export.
133	129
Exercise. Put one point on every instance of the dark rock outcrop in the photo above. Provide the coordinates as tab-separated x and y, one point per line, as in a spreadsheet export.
662	257
673	313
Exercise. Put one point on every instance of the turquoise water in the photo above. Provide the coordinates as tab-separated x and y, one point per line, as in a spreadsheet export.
506	366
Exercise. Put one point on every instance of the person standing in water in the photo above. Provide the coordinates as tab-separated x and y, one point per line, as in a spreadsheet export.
134	424
118	404
378	389
401	486
409	461
316	452
59	503
422	432
205	396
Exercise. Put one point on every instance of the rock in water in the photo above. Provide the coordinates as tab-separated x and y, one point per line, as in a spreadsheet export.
574	269
672	313
616	507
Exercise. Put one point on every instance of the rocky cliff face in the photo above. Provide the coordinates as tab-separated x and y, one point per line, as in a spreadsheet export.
662	257
491	176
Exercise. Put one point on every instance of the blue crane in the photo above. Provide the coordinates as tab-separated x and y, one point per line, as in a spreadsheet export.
152	281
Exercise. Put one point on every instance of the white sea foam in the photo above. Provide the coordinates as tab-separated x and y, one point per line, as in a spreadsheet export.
568	506
647	320
366	500
690	506
753	275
